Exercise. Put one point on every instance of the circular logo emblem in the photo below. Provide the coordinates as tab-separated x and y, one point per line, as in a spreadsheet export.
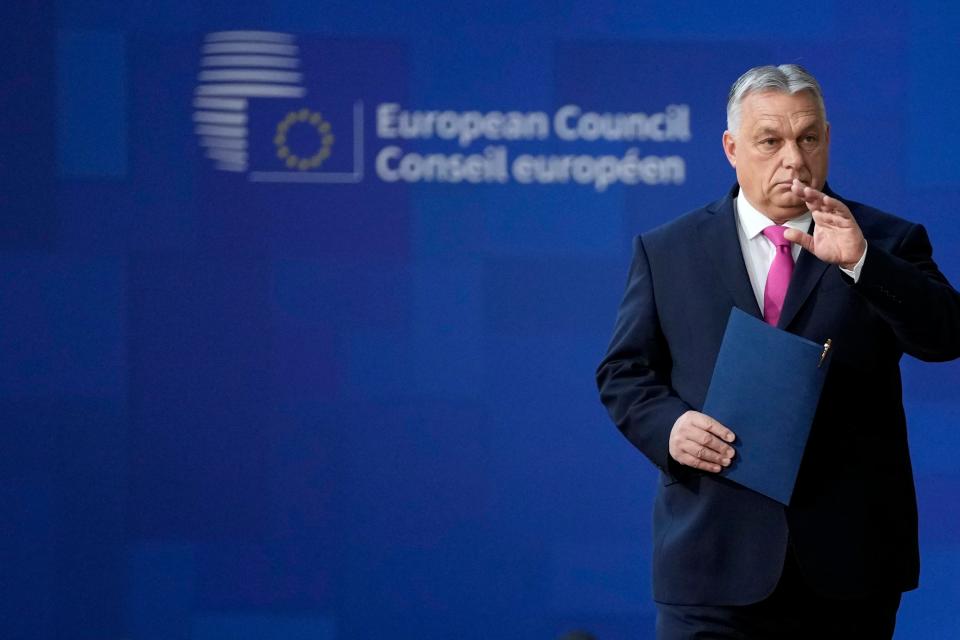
311	140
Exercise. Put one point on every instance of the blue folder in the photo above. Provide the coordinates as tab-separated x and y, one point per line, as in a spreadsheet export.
765	387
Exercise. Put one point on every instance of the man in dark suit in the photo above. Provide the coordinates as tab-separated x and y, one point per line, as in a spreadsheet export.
729	562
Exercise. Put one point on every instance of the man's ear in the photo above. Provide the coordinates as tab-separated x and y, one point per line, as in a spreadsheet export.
730	148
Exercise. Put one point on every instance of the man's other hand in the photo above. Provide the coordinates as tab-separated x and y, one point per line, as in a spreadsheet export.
836	238
699	441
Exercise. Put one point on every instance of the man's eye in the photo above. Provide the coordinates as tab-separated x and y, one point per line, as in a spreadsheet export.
768	142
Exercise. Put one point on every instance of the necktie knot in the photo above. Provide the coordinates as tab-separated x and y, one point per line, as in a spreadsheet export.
774	234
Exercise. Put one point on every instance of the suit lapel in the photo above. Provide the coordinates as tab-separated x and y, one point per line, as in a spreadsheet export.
719	239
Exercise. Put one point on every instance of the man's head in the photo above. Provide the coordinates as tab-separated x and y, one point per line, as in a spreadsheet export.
777	130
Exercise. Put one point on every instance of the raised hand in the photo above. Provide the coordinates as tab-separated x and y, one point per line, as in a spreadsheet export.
836	238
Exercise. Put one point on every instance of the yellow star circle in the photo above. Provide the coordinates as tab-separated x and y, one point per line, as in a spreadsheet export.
314	120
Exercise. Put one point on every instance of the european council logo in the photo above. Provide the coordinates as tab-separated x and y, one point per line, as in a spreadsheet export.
251	114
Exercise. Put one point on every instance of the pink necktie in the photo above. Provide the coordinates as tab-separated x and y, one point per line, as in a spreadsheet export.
778	278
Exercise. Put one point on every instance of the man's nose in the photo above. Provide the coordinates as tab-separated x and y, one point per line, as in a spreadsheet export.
792	155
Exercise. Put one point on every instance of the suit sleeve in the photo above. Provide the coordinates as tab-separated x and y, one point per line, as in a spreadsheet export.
908	291
634	376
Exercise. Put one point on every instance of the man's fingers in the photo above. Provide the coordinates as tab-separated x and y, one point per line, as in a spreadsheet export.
699	441
709	441
691	461
705	453
805	240
829	218
834	206
809	195
706	422
697	438
817	201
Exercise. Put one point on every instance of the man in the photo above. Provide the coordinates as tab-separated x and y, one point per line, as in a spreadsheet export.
729	562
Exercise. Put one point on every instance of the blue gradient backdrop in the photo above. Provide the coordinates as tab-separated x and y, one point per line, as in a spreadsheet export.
239	410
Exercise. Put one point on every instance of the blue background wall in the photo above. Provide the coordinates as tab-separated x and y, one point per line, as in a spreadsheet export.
235	409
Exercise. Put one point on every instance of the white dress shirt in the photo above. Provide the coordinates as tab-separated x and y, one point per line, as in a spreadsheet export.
758	251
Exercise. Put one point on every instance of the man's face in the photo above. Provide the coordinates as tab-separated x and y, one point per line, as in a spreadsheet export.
781	137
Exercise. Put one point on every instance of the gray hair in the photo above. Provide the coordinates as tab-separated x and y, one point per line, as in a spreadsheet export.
787	78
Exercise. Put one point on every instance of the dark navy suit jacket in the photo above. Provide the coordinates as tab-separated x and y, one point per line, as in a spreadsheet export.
852	521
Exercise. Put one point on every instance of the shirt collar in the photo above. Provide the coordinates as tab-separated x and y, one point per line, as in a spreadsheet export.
753	222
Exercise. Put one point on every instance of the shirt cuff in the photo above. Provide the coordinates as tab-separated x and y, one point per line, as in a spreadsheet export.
857	268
